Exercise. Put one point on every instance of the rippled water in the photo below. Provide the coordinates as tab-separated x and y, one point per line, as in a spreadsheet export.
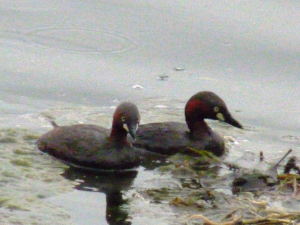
27	179
36	188
77	40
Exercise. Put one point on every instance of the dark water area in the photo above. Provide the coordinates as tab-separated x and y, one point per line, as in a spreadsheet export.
110	185
75	61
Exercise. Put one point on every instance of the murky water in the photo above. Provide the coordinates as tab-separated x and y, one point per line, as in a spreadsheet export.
76	61
37	189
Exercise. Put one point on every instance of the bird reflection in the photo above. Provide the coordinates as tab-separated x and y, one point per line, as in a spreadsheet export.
111	184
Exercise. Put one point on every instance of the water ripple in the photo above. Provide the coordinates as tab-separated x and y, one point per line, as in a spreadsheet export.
68	39
290	138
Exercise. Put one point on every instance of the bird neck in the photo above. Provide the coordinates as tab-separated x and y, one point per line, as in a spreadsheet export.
118	135
197	127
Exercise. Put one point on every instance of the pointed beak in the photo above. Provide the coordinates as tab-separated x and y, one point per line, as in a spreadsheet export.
131	129
230	120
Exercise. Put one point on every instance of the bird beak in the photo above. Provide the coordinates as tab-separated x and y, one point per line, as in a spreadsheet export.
131	129
230	120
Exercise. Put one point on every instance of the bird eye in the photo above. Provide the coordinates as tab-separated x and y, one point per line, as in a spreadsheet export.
216	109
123	119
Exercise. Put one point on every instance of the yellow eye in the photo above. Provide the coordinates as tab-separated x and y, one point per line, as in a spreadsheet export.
123	119
216	109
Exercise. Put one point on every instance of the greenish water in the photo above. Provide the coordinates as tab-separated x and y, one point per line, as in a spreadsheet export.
37	189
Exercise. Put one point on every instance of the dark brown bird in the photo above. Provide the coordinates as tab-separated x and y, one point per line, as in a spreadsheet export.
172	137
93	147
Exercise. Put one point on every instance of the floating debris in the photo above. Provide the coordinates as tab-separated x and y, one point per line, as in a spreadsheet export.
249	128
291	164
136	86
272	218
229	199
226	42
179	69
162	77
261	156
231	139
256	180
277	164
161	106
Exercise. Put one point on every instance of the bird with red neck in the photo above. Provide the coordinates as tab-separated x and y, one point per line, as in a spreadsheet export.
92	147
173	137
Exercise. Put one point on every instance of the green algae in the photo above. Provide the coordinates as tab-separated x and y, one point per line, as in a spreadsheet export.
8	136
190	166
30	137
14	136
15	206
10	174
41	196
183	172
159	195
201	199
21	162
23	151
3	200
10	131
48	180
9	203
201	160
8	140
203	154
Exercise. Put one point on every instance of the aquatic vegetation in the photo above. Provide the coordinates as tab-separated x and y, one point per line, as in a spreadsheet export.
23	151
30	137
21	162
239	197
275	218
3	200
10	174
15	206
8	140
23	171
291	165
14	136
201	199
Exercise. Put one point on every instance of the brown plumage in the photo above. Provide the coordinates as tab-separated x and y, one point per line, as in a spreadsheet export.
93	147
172	137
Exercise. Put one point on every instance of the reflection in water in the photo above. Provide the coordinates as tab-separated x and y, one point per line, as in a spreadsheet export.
110	183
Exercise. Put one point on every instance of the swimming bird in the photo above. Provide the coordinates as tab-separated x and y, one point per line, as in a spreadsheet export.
172	137
92	147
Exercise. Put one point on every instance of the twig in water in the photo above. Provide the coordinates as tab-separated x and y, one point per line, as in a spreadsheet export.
277	164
